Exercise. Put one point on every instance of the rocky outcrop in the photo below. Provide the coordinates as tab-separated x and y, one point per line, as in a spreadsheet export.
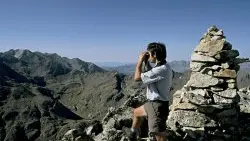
207	107
244	118
114	125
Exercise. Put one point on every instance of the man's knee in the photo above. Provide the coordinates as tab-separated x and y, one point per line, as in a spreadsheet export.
139	112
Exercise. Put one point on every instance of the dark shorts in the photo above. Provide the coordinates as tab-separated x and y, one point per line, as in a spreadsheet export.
157	114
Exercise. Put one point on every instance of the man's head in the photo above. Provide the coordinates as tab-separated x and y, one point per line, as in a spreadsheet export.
157	52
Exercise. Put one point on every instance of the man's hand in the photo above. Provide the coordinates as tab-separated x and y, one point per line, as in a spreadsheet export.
138	70
143	57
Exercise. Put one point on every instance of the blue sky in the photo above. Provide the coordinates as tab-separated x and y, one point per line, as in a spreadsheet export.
116	30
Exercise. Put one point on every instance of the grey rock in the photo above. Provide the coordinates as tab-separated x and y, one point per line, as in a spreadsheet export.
231	81
226	65
232	85
216	89
243	95
76	135
228	93
227	54
226	73
245	108
219	33
209	109
33	134
216	37
201	58
197	99
222	100
195	133
215	67
243	89
189	119
211	48
94	129
178	94
202	92
207	70
212	28
186	106
48	130
202	80
197	66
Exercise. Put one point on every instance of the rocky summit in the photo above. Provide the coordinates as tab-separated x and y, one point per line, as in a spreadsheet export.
207	107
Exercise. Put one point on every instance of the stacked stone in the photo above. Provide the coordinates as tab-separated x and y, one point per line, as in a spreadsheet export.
206	108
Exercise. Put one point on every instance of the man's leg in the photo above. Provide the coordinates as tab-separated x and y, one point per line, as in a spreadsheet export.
138	113
157	116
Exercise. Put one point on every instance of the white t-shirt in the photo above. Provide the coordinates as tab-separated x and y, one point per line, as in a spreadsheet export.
159	82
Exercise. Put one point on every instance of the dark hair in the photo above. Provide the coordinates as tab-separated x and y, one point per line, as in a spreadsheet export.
158	49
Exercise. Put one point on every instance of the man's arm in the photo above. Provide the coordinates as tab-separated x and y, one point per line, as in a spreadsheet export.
138	69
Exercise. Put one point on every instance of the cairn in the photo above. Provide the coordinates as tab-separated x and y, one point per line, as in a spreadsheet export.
206	108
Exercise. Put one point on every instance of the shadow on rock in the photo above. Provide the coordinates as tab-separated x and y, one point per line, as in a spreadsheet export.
63	112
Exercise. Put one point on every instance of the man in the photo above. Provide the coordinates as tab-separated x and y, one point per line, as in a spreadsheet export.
158	80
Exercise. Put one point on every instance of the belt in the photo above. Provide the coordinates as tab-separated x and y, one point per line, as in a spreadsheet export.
158	101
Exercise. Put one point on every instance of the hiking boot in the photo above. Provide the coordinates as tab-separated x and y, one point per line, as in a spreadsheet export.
132	136
151	136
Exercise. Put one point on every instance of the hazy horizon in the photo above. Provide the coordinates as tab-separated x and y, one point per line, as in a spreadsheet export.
117	31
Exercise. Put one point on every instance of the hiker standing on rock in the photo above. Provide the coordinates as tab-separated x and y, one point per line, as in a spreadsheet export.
158	80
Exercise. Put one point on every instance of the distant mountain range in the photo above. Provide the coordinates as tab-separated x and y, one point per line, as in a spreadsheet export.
111	64
177	66
43	64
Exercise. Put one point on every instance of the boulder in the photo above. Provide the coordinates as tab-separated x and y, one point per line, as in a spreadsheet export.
197	66
202	58
226	73
211	48
197	99
222	100
200	80
189	119
228	93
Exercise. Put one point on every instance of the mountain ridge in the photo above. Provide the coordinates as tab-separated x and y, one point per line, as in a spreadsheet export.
42	64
